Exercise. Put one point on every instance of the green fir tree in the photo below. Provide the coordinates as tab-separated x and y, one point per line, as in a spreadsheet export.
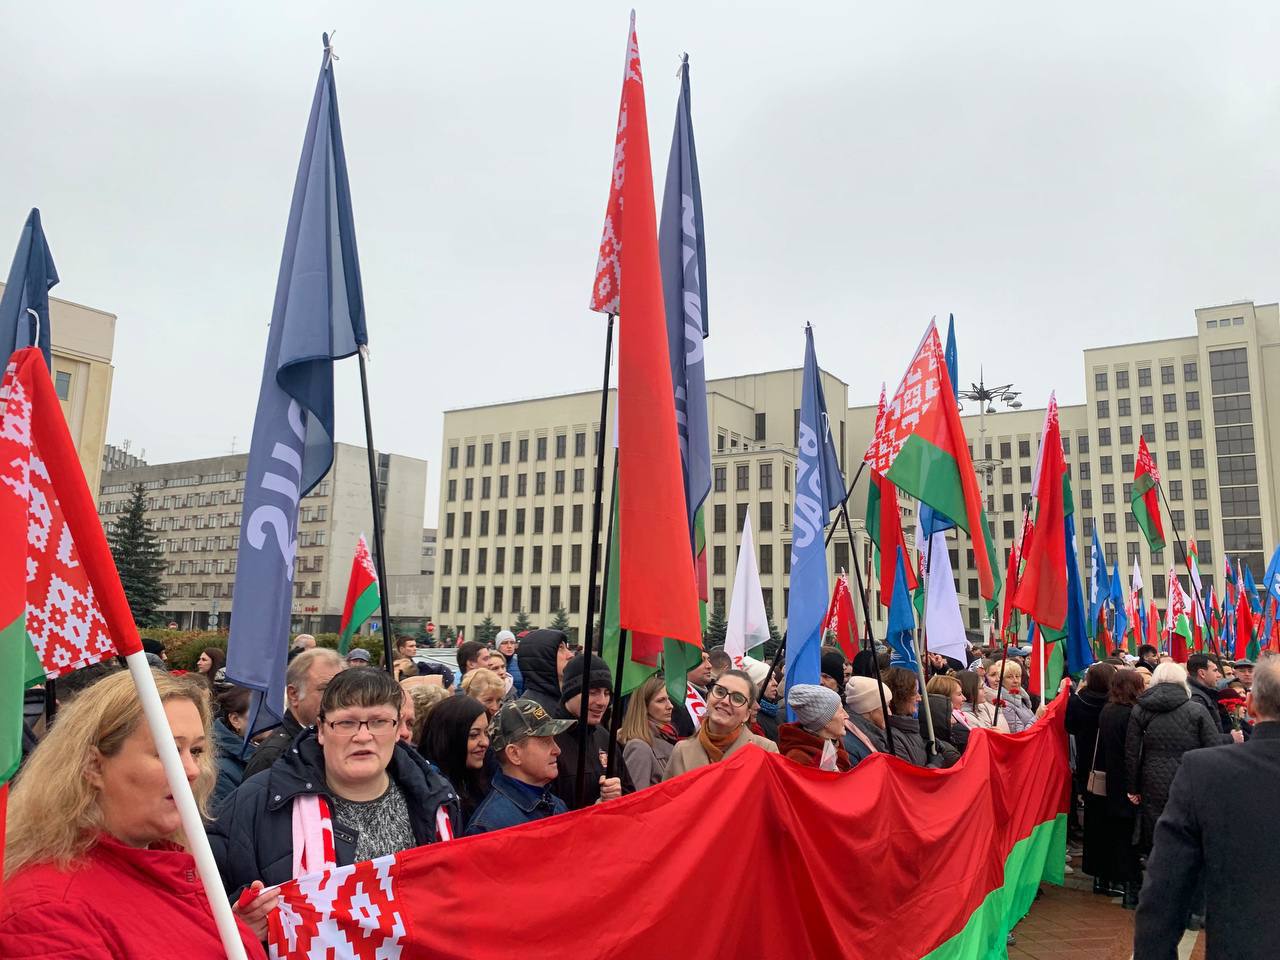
774	642
487	631
138	561
522	623
713	635
560	620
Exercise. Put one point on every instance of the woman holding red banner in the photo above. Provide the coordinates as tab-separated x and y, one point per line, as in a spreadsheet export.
95	867
723	729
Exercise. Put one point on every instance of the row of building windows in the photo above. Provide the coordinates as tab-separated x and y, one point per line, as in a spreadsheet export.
1146	405
520	514
536	554
522	485
540	449
1190	374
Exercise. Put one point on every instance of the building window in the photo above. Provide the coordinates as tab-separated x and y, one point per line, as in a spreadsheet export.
1126	435
1024	448
486	488
559	488
504	485
497	600
557	557
486	454
1086	499
786	477
1124	407
577	518
1199	490
482	560
1146	406
1082	443
1130	523
743	471
517	564
519	521
580	444
720	479
1195	430
1100	382
1108	493
1202	519
1126	463
1171	429
1170	402
535	561
542	448
766	515
575	598
499	560
1104	465
1108	523
719	522
766	558
1122	379
1158	586
539	515
522	484
453	458
1024	474
1197	459
444	599
540	483
452	495
1008	529
1006	503
1149	432
575	558
466	524
448	562
579	480
448	524
718	555
484	523
1175	489
562	445
471	454
1144	376
1006	450
766	475
1104	436
517	598
535	599
523	455
504	452
1006	475
464	562
1104	409
1178	519
1166	373
760	426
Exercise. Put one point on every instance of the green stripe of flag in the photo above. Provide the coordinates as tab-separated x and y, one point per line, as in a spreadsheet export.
366	606
20	668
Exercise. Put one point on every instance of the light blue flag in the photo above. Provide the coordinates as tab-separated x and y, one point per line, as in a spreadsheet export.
951	355
1121	619
1099	582
819	489
1079	652
318	317
24	308
900	637
1271	584
1250	589
683	253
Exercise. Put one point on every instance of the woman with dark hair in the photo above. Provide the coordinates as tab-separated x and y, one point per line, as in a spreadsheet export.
1083	710
979	703
212	659
864	665
1109	852
456	740
228	739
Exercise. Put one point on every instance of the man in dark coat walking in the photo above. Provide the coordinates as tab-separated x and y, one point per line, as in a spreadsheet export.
1219	825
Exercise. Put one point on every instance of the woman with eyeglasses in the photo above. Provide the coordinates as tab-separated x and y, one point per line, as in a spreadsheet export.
724	727
344	791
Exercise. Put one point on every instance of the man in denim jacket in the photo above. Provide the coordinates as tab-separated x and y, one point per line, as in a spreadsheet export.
522	735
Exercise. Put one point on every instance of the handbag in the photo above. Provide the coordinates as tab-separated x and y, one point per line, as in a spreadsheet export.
1096	784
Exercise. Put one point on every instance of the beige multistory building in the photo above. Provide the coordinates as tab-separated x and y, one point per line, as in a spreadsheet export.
516	486
194	506
1203	402
81	343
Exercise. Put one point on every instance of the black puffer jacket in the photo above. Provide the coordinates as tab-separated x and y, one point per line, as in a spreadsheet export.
1164	725
1083	711
538	654
1209	700
252	838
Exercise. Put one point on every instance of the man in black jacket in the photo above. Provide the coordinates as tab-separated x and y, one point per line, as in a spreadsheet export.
309	674
1203	673
598	689
1219	826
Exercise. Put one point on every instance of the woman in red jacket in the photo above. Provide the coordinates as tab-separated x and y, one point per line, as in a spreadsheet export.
819	721
94	862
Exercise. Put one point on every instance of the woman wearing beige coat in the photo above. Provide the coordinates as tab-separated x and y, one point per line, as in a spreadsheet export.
724	728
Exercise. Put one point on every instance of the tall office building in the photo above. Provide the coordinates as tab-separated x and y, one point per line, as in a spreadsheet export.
1203	404
194	508
516	488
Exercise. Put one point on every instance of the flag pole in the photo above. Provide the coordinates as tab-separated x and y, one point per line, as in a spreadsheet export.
615	703
1186	562
379	557
1004	634
868	640
932	745
193	827
593	566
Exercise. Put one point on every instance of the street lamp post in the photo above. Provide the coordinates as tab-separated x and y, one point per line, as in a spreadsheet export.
987	397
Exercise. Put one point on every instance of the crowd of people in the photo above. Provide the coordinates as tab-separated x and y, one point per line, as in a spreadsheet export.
369	762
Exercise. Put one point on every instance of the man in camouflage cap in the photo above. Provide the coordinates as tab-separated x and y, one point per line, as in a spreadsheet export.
522	735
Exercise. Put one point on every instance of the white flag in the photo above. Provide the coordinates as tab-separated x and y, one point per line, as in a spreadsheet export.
748	625
1136	581
943	628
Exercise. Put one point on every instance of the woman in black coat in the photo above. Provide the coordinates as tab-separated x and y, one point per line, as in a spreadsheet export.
1166	723
1109	852
1083	710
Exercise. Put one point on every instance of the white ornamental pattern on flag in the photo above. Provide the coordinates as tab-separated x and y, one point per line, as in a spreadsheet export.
353	906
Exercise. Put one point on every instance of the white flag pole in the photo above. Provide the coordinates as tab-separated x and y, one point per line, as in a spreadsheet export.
192	822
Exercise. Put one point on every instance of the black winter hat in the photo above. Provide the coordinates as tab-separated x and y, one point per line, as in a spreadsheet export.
833	665
571	679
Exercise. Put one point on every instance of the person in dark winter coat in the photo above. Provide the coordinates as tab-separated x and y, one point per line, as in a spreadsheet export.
864	728
308	676
1203	675
383	797
907	741
598	689
1218	832
939	708
1109	852
228	739
543	654
1165	724
1083	709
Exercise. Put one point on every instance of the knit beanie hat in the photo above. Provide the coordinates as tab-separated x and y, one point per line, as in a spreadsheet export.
861	695
757	670
833	662
814	705
571	679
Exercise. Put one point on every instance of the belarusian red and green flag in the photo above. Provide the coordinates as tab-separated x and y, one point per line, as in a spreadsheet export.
1145	498
61	604
921	449
362	595
1178	620
1041	590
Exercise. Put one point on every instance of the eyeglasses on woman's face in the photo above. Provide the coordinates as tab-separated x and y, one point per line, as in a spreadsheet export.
378	726
721	692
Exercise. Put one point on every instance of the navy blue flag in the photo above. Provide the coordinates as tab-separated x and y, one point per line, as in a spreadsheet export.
24	308
900	636
318	317
819	490
682	250
1120	619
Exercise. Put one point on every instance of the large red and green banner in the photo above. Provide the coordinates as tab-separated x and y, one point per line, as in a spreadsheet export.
889	860
1145	497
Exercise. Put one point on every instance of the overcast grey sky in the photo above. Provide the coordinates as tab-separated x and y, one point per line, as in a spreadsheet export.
1057	178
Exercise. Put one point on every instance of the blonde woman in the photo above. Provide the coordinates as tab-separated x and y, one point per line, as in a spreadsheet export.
95	865
487	687
646	733
979	703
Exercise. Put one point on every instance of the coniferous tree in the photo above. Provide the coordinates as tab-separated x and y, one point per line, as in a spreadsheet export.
713	635
774	642
522	623
138	561
487	631
560	620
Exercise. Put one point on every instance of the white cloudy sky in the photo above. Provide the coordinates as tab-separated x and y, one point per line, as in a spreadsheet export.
1057	178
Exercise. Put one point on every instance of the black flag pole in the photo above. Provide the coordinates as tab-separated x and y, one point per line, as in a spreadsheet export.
593	566
1186	562
379	558
1004	639
615	702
